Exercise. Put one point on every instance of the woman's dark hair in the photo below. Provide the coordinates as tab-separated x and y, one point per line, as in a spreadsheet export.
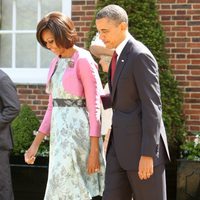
61	27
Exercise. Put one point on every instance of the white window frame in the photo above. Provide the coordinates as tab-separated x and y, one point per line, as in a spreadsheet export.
29	75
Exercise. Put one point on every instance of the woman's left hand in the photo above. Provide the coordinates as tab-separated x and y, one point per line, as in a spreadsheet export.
93	165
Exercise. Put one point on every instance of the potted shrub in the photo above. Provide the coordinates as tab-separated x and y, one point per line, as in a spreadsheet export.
188	170
29	181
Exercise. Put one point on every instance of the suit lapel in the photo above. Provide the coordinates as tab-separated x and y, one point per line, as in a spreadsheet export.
120	66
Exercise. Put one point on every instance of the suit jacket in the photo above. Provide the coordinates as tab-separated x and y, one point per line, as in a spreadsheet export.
9	109
82	79
137	124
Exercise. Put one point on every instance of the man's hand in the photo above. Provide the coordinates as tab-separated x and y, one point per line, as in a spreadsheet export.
145	169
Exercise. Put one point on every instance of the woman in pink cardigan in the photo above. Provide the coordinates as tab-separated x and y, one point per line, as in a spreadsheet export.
72	119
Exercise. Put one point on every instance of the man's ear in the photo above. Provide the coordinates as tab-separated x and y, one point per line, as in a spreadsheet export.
124	26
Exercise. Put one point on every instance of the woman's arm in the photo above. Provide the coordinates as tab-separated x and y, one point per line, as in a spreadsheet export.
98	51
46	122
91	82
29	155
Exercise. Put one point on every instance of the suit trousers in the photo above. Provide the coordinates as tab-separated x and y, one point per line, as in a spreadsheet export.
121	184
6	190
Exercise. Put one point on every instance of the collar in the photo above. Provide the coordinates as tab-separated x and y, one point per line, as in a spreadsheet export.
121	46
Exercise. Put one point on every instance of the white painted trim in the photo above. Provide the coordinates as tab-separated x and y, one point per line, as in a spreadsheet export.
16	31
13	34
27	76
38	58
67	7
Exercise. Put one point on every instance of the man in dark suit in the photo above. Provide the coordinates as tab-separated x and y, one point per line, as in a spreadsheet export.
9	108
138	149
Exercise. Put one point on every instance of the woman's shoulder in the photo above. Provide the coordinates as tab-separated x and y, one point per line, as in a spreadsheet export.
84	58
54	61
83	53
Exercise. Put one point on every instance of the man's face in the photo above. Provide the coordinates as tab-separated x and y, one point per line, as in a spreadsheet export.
111	32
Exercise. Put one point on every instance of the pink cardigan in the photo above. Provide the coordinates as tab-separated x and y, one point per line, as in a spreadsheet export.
81	80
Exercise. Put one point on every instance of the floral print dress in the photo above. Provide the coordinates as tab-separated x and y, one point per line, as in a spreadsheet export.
69	149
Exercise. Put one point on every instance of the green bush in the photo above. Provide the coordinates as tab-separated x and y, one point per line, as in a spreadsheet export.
22	128
144	25
190	149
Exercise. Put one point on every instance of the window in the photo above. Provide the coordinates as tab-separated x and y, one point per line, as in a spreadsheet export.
21	56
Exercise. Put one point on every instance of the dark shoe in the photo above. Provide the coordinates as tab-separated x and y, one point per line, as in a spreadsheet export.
97	198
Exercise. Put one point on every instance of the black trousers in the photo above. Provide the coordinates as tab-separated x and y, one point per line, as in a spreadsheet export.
121	184
6	191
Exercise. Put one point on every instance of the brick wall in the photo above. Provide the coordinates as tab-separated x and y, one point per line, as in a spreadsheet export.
35	96
82	15
181	23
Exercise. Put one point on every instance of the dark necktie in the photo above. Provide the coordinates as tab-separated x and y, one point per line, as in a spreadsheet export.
113	65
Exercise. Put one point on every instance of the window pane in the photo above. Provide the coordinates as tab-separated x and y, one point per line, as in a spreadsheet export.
46	57
51	5
26	14
25	51
5	51
46	7
6	15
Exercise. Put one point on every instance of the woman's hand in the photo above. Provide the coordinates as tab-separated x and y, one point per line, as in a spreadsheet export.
93	164
29	155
